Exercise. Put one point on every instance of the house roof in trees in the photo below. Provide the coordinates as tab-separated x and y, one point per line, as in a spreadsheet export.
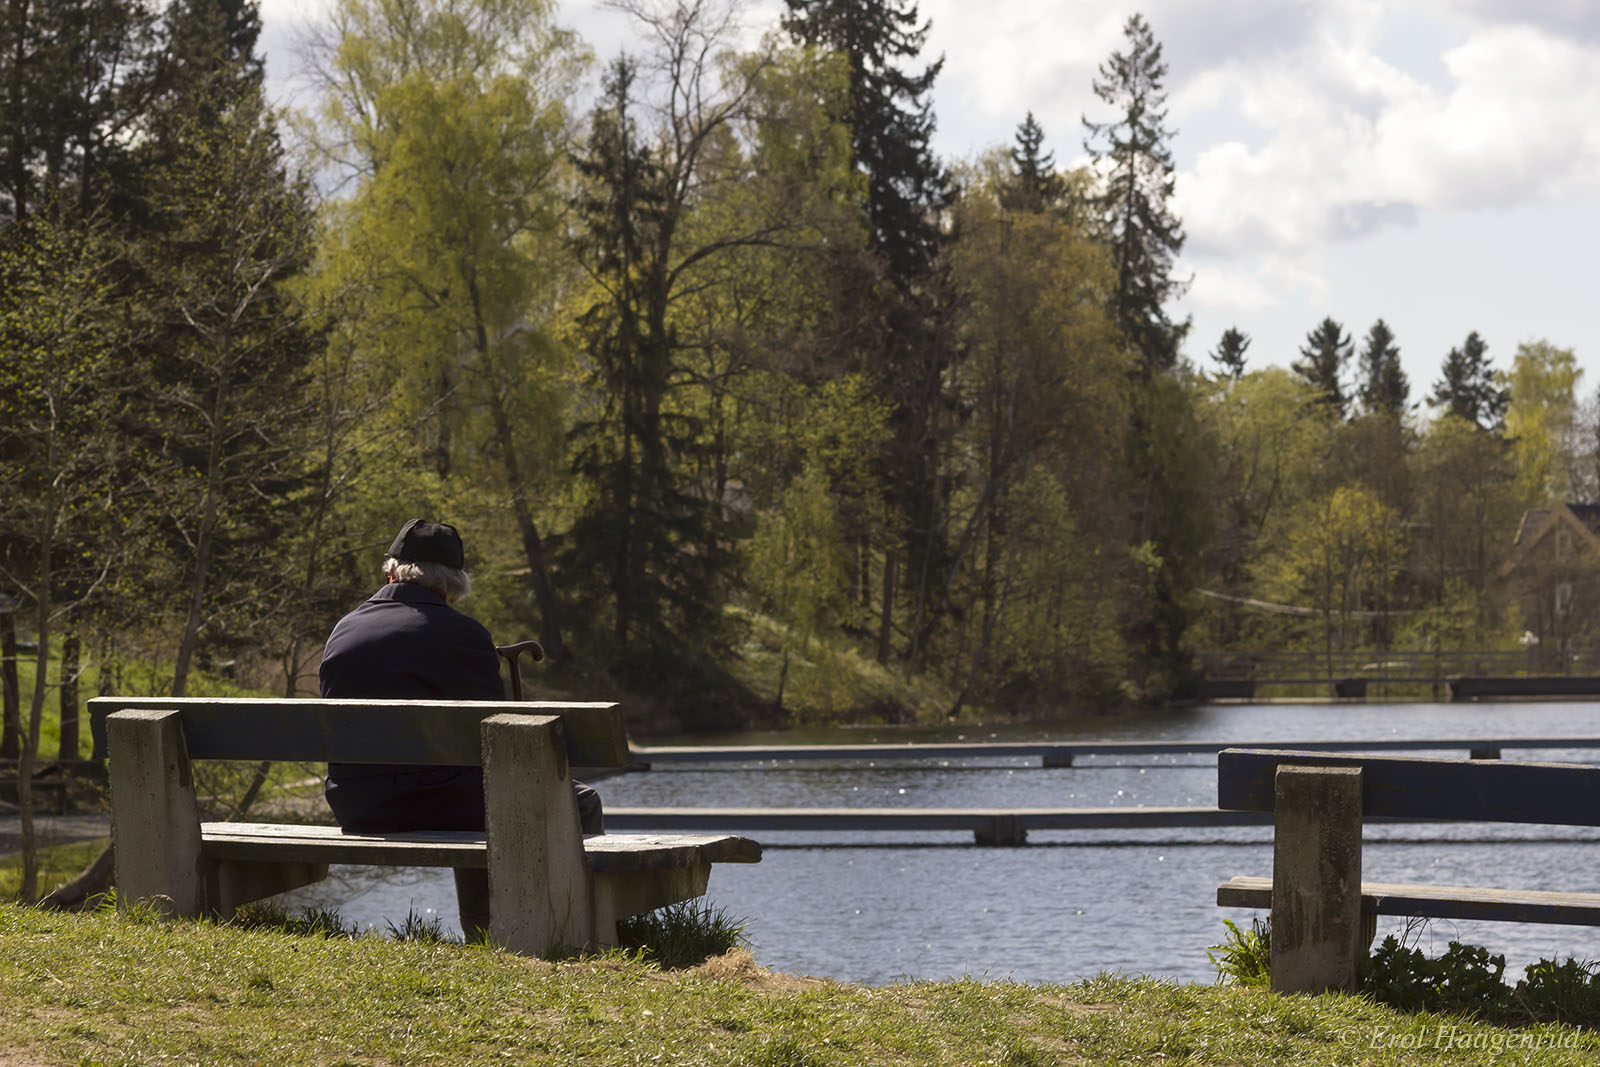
1538	523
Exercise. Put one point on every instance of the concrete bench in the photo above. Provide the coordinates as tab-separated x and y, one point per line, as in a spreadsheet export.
1323	914
550	888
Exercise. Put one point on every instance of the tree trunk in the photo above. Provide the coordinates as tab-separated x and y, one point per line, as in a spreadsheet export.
204	542
11	725
81	893
29	889
886	620
70	656
532	546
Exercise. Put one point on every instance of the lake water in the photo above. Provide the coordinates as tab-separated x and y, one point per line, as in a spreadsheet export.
876	907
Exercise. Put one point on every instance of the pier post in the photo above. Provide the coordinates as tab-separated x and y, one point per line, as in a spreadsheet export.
1002	830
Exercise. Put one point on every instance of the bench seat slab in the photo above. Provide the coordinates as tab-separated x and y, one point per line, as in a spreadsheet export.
277	842
1440	902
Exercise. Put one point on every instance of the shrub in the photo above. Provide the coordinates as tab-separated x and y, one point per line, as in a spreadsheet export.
1245	958
682	935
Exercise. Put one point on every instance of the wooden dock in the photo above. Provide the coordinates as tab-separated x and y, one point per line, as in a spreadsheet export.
988	826
1002	826
1063	753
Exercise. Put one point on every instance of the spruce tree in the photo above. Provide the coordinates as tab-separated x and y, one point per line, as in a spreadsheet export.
891	121
74	82
1134	155
1384	387
1469	388
1035	184
903	348
227	229
1322	362
1230	351
646	546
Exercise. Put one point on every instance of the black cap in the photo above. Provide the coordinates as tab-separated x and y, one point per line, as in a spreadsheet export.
420	541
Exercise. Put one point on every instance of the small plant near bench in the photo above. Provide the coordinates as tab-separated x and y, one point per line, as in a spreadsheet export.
1244	957
1464	980
682	935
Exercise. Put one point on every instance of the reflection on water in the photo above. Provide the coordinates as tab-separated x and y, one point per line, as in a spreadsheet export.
874	907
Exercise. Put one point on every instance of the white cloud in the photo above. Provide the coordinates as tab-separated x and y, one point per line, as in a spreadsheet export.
1236	288
1355	144
1568	18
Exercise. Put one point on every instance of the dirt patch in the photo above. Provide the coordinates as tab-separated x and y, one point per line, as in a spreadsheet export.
739	966
12	1057
1073	1007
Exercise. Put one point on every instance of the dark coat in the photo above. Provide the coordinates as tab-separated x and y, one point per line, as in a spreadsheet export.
406	643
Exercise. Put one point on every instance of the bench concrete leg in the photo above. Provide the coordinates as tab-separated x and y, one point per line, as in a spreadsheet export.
1317	934
620	894
236	882
155	820
540	894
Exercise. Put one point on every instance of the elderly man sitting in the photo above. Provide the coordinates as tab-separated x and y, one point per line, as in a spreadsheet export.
408	642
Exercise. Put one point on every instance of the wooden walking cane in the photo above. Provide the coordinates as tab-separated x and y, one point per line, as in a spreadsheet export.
511	652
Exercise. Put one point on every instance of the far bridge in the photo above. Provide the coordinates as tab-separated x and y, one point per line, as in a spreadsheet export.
1456	675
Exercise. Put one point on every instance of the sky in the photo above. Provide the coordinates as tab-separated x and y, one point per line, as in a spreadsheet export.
1434	163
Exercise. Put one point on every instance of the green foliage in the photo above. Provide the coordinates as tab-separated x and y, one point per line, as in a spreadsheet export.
890	122
449	117
1341	555
1565	992
1244	957
1230	350
1466	979
1540	420
682	935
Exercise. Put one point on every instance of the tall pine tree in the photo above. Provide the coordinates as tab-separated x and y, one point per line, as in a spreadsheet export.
1384	387
646	550
1134	156
1468	386
75	78
1035	183
1230	351
1322	362
904	352
890	119
229	227
1168	521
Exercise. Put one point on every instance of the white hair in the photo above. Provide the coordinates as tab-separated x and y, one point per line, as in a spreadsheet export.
449	582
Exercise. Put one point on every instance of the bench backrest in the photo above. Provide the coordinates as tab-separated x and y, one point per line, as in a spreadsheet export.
1397	787
366	731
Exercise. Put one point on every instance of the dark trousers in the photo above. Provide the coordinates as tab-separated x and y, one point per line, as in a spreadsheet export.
437	798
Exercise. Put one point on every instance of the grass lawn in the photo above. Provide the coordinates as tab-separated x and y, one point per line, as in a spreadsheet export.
103	989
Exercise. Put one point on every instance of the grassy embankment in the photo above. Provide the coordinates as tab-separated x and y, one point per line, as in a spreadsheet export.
103	989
